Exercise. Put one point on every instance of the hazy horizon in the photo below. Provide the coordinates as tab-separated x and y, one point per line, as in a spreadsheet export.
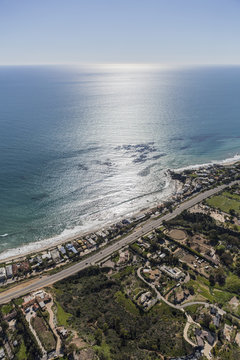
176	33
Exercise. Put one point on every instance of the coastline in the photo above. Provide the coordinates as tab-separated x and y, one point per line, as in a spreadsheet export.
50	243
9	255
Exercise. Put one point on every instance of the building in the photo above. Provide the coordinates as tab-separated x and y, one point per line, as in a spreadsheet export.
210	339
2	274
15	269
174	273
42	305
213	310
216	320
28	303
200	341
10	316
237	338
154	274
62	332
91	242
145	297
71	248
62	250
234	302
9	271
55	255
2	353
47	256
227	332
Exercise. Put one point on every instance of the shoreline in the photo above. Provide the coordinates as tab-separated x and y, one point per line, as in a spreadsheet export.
39	246
59	239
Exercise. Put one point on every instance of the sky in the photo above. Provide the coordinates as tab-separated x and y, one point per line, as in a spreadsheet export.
168	32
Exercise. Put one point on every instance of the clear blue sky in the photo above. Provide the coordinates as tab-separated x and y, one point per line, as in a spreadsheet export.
120	31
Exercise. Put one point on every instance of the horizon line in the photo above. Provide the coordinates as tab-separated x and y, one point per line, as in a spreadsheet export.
120	64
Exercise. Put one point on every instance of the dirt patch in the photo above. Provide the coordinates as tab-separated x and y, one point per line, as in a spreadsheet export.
85	354
79	342
200	244
177	234
184	256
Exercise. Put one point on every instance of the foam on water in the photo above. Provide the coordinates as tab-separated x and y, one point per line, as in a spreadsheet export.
97	221
80	149
226	161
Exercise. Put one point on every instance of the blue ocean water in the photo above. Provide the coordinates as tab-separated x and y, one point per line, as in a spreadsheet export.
80	147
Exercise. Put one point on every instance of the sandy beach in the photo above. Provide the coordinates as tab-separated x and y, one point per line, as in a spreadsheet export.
48	244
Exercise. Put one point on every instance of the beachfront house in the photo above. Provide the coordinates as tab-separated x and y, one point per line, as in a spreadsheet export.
55	255
2	274
9	271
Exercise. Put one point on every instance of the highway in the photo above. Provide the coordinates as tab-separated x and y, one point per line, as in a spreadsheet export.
97	257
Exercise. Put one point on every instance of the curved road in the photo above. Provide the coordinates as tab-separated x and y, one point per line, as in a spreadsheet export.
207	347
141	230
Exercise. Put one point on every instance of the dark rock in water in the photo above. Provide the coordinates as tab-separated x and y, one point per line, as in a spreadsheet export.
156	157
39	197
141	158
82	167
107	163
184	147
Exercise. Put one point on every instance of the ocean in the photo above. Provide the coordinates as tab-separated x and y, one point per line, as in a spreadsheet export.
81	147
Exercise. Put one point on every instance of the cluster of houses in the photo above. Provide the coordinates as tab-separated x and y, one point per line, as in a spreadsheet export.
195	356
146	300
202	335
12	270
36	300
196	180
65	252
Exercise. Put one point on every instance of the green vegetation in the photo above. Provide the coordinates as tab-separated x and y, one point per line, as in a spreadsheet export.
62	316
103	351
203	290
30	345
192	309
124	273
232	284
225	202
18	301
5	309
229	352
127	303
44	333
102	311
22	355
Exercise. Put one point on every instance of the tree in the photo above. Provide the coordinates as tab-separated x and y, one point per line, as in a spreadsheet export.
213	236
191	290
212	328
232	212
226	258
206	320
212	280
220	276
98	337
220	249
237	269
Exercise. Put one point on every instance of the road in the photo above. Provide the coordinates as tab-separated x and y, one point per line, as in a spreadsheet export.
141	230
159	296
207	347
